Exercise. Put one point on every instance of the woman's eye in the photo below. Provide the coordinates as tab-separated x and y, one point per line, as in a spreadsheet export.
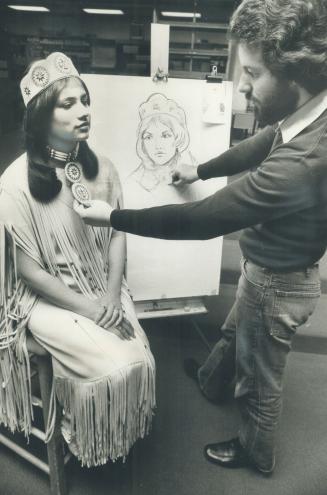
166	135
146	137
65	105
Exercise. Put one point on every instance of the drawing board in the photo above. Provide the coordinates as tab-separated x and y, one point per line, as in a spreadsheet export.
147	129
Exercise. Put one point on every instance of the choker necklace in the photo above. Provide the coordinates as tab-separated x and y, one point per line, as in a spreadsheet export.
61	156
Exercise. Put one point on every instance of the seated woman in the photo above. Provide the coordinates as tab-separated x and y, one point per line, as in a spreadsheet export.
70	291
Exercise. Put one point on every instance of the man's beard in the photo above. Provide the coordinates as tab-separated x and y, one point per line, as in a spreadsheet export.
276	105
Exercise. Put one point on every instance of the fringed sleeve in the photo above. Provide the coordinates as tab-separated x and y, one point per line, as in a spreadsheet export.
16	303
17	215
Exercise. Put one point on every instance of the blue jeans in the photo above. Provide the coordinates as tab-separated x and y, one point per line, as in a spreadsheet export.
269	308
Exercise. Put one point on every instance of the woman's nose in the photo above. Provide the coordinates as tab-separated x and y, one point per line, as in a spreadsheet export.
83	111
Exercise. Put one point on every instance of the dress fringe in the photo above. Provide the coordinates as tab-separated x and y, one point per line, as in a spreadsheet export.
102	432
16	411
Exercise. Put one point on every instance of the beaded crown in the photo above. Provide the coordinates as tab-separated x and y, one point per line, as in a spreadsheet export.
43	73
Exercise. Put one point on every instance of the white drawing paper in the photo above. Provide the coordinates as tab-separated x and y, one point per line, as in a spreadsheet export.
147	129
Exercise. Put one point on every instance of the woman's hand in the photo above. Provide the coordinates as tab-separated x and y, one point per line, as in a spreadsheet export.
107	312
95	212
114	313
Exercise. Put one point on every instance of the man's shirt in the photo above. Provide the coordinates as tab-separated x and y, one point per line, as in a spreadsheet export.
281	203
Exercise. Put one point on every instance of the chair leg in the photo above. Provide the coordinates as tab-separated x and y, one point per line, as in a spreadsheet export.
55	445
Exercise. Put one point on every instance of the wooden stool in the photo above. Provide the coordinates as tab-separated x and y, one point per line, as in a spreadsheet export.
56	461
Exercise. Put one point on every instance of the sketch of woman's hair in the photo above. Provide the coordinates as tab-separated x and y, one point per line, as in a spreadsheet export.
162	136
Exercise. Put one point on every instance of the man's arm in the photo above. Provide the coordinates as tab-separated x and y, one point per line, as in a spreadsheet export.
246	155
280	187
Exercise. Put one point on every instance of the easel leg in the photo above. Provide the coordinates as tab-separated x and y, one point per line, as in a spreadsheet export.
200	333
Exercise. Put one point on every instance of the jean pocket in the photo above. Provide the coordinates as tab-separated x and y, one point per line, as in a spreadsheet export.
291	309
252	274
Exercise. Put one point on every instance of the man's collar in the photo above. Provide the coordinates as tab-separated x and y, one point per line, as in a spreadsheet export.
294	124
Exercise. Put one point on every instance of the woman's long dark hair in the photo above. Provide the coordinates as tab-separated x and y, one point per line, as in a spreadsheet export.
42	179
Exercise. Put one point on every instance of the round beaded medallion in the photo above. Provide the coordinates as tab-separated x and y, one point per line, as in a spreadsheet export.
63	64
40	76
73	172
80	192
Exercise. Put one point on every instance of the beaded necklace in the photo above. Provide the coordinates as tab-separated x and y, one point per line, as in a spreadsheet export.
73	172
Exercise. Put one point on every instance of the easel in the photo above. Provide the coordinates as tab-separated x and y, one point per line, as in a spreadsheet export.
174	307
187	307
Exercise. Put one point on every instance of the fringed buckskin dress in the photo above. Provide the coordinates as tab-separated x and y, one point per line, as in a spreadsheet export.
106	385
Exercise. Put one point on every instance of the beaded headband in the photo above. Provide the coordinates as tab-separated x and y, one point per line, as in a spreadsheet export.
45	72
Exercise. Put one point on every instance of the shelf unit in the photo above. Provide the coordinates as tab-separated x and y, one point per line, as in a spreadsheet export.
207	45
216	26
25	48
89	53
194	48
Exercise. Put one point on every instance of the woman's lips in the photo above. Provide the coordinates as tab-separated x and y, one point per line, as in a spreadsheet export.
83	126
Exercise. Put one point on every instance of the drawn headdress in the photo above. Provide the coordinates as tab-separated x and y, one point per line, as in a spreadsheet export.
157	104
43	73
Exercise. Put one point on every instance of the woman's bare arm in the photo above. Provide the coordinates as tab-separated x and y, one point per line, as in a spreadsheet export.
114	314
117	260
53	290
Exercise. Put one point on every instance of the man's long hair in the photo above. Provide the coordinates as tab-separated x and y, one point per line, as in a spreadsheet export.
292	35
43	182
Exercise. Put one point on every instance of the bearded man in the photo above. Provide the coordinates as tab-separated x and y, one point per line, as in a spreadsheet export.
281	205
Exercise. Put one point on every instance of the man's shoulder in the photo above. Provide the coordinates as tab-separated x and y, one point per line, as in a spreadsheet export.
311	137
308	148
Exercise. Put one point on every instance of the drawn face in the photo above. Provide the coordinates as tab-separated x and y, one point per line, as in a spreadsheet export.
159	143
71	116
273	98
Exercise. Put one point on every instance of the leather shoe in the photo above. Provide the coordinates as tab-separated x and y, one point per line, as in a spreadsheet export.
228	454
